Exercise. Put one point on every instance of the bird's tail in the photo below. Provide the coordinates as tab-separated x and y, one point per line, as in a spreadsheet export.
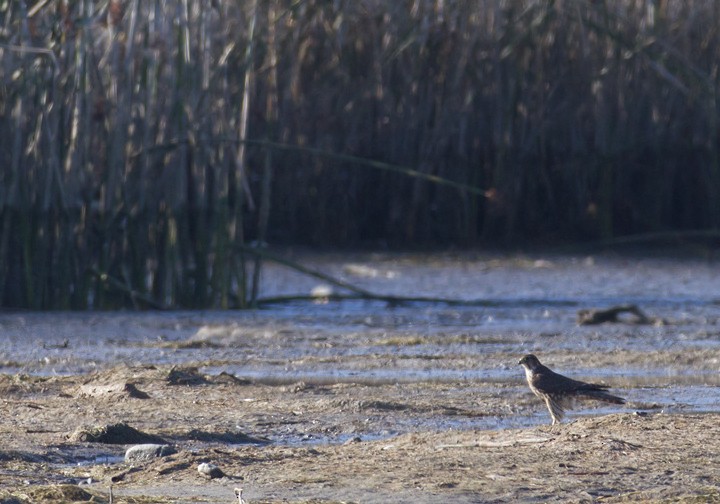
601	395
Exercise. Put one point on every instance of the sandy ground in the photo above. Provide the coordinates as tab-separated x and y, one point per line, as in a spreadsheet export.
337	443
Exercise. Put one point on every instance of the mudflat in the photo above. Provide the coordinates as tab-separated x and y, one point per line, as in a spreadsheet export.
373	402
338	442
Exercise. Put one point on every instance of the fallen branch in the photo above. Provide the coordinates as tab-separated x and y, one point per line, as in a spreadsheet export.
127	289
400	300
307	271
596	316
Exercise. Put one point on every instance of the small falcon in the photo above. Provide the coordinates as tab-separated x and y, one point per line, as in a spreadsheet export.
557	390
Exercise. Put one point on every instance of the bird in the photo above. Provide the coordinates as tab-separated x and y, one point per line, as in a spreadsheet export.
557	390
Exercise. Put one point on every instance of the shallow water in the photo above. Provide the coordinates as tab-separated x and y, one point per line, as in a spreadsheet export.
529	304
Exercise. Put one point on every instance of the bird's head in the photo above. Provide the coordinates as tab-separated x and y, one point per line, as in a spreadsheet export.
529	361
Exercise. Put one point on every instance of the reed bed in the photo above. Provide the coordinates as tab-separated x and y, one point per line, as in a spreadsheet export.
148	147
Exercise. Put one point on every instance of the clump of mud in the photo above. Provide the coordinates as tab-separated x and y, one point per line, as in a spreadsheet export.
119	433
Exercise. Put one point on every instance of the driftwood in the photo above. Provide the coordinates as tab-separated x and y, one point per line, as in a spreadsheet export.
595	316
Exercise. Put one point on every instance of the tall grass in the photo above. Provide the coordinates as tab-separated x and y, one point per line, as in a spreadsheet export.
138	139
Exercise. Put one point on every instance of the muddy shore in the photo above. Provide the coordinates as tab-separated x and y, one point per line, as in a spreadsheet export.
306	443
369	403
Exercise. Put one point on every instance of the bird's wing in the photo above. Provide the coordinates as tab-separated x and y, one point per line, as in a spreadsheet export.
551	382
598	392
